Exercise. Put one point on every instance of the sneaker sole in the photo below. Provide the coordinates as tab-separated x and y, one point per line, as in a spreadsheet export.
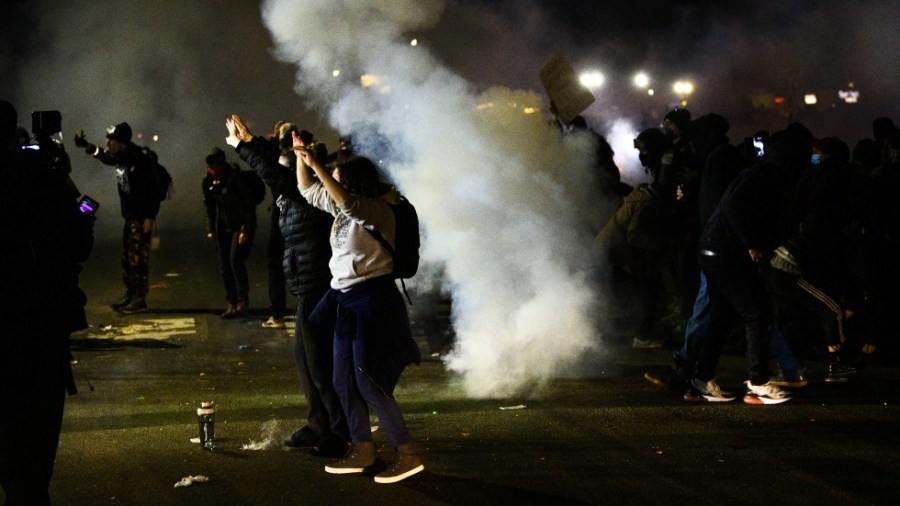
344	470
692	397
395	479
790	384
653	379
758	401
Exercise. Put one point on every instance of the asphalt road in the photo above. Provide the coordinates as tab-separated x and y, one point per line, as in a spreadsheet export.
608	437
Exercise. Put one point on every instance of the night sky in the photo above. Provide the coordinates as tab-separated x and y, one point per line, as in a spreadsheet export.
170	68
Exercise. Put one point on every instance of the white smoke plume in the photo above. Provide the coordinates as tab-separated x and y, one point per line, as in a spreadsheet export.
497	190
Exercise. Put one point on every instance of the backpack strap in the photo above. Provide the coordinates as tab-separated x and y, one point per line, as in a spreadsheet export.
381	240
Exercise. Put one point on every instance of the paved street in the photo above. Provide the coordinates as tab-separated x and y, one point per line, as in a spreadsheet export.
604	436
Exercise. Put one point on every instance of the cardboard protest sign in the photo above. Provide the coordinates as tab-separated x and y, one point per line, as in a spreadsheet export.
564	89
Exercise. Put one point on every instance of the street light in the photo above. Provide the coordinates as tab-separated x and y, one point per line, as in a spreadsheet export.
682	88
641	80
592	79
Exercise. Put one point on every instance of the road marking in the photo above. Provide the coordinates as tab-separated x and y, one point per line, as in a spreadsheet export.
150	328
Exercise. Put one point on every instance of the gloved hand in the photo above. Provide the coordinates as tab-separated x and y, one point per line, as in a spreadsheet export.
80	140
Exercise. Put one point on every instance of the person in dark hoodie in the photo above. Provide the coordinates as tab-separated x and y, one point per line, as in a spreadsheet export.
811	266
231	223
633	241
45	241
306	254
721	164
136	181
736	242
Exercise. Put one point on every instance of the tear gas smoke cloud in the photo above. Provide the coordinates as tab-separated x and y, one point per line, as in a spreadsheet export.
495	187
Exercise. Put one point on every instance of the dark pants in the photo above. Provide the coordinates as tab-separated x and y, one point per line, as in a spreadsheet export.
684	360
313	348
735	285
370	352
358	391
791	292
275	268
233	265
32	396
135	258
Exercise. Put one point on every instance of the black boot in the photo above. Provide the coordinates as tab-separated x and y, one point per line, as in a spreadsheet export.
126	298
838	370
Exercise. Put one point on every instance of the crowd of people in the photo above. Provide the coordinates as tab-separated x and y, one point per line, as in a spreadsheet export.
784	243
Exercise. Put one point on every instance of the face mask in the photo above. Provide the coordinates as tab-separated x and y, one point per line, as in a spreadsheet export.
215	172
645	160
816	159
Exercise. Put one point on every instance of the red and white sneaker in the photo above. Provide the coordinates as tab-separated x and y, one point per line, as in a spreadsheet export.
767	393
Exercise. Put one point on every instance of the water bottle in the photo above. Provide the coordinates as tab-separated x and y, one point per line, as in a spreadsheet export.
206	415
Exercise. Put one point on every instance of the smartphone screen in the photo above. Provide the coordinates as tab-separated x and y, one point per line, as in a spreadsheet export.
759	146
88	205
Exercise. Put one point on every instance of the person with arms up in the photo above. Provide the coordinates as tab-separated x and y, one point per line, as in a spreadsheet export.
372	338
138	184
306	253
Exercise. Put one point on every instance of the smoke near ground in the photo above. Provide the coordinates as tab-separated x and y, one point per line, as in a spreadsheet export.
496	189
501	196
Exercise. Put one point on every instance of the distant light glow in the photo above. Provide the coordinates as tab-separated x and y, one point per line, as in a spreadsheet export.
414	42
641	80
650	92
335	72
155	138
810	99
683	87
849	96
367	80
779	100
529	110
592	79
486	105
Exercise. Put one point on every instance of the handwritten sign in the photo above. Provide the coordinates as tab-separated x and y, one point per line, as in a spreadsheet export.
564	89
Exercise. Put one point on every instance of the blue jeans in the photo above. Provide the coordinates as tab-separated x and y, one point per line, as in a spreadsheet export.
781	351
356	389
685	359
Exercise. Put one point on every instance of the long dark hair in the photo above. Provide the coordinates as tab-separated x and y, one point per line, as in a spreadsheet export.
360	176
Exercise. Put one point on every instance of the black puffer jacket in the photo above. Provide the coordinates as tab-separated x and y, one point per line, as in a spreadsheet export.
305	229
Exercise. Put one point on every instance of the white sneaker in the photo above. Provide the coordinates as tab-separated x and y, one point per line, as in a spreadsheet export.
767	393
709	391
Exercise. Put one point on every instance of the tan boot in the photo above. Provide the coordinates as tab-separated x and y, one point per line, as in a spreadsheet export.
406	463
360	456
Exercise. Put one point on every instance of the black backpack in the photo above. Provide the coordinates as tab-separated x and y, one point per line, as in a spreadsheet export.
162	180
406	240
